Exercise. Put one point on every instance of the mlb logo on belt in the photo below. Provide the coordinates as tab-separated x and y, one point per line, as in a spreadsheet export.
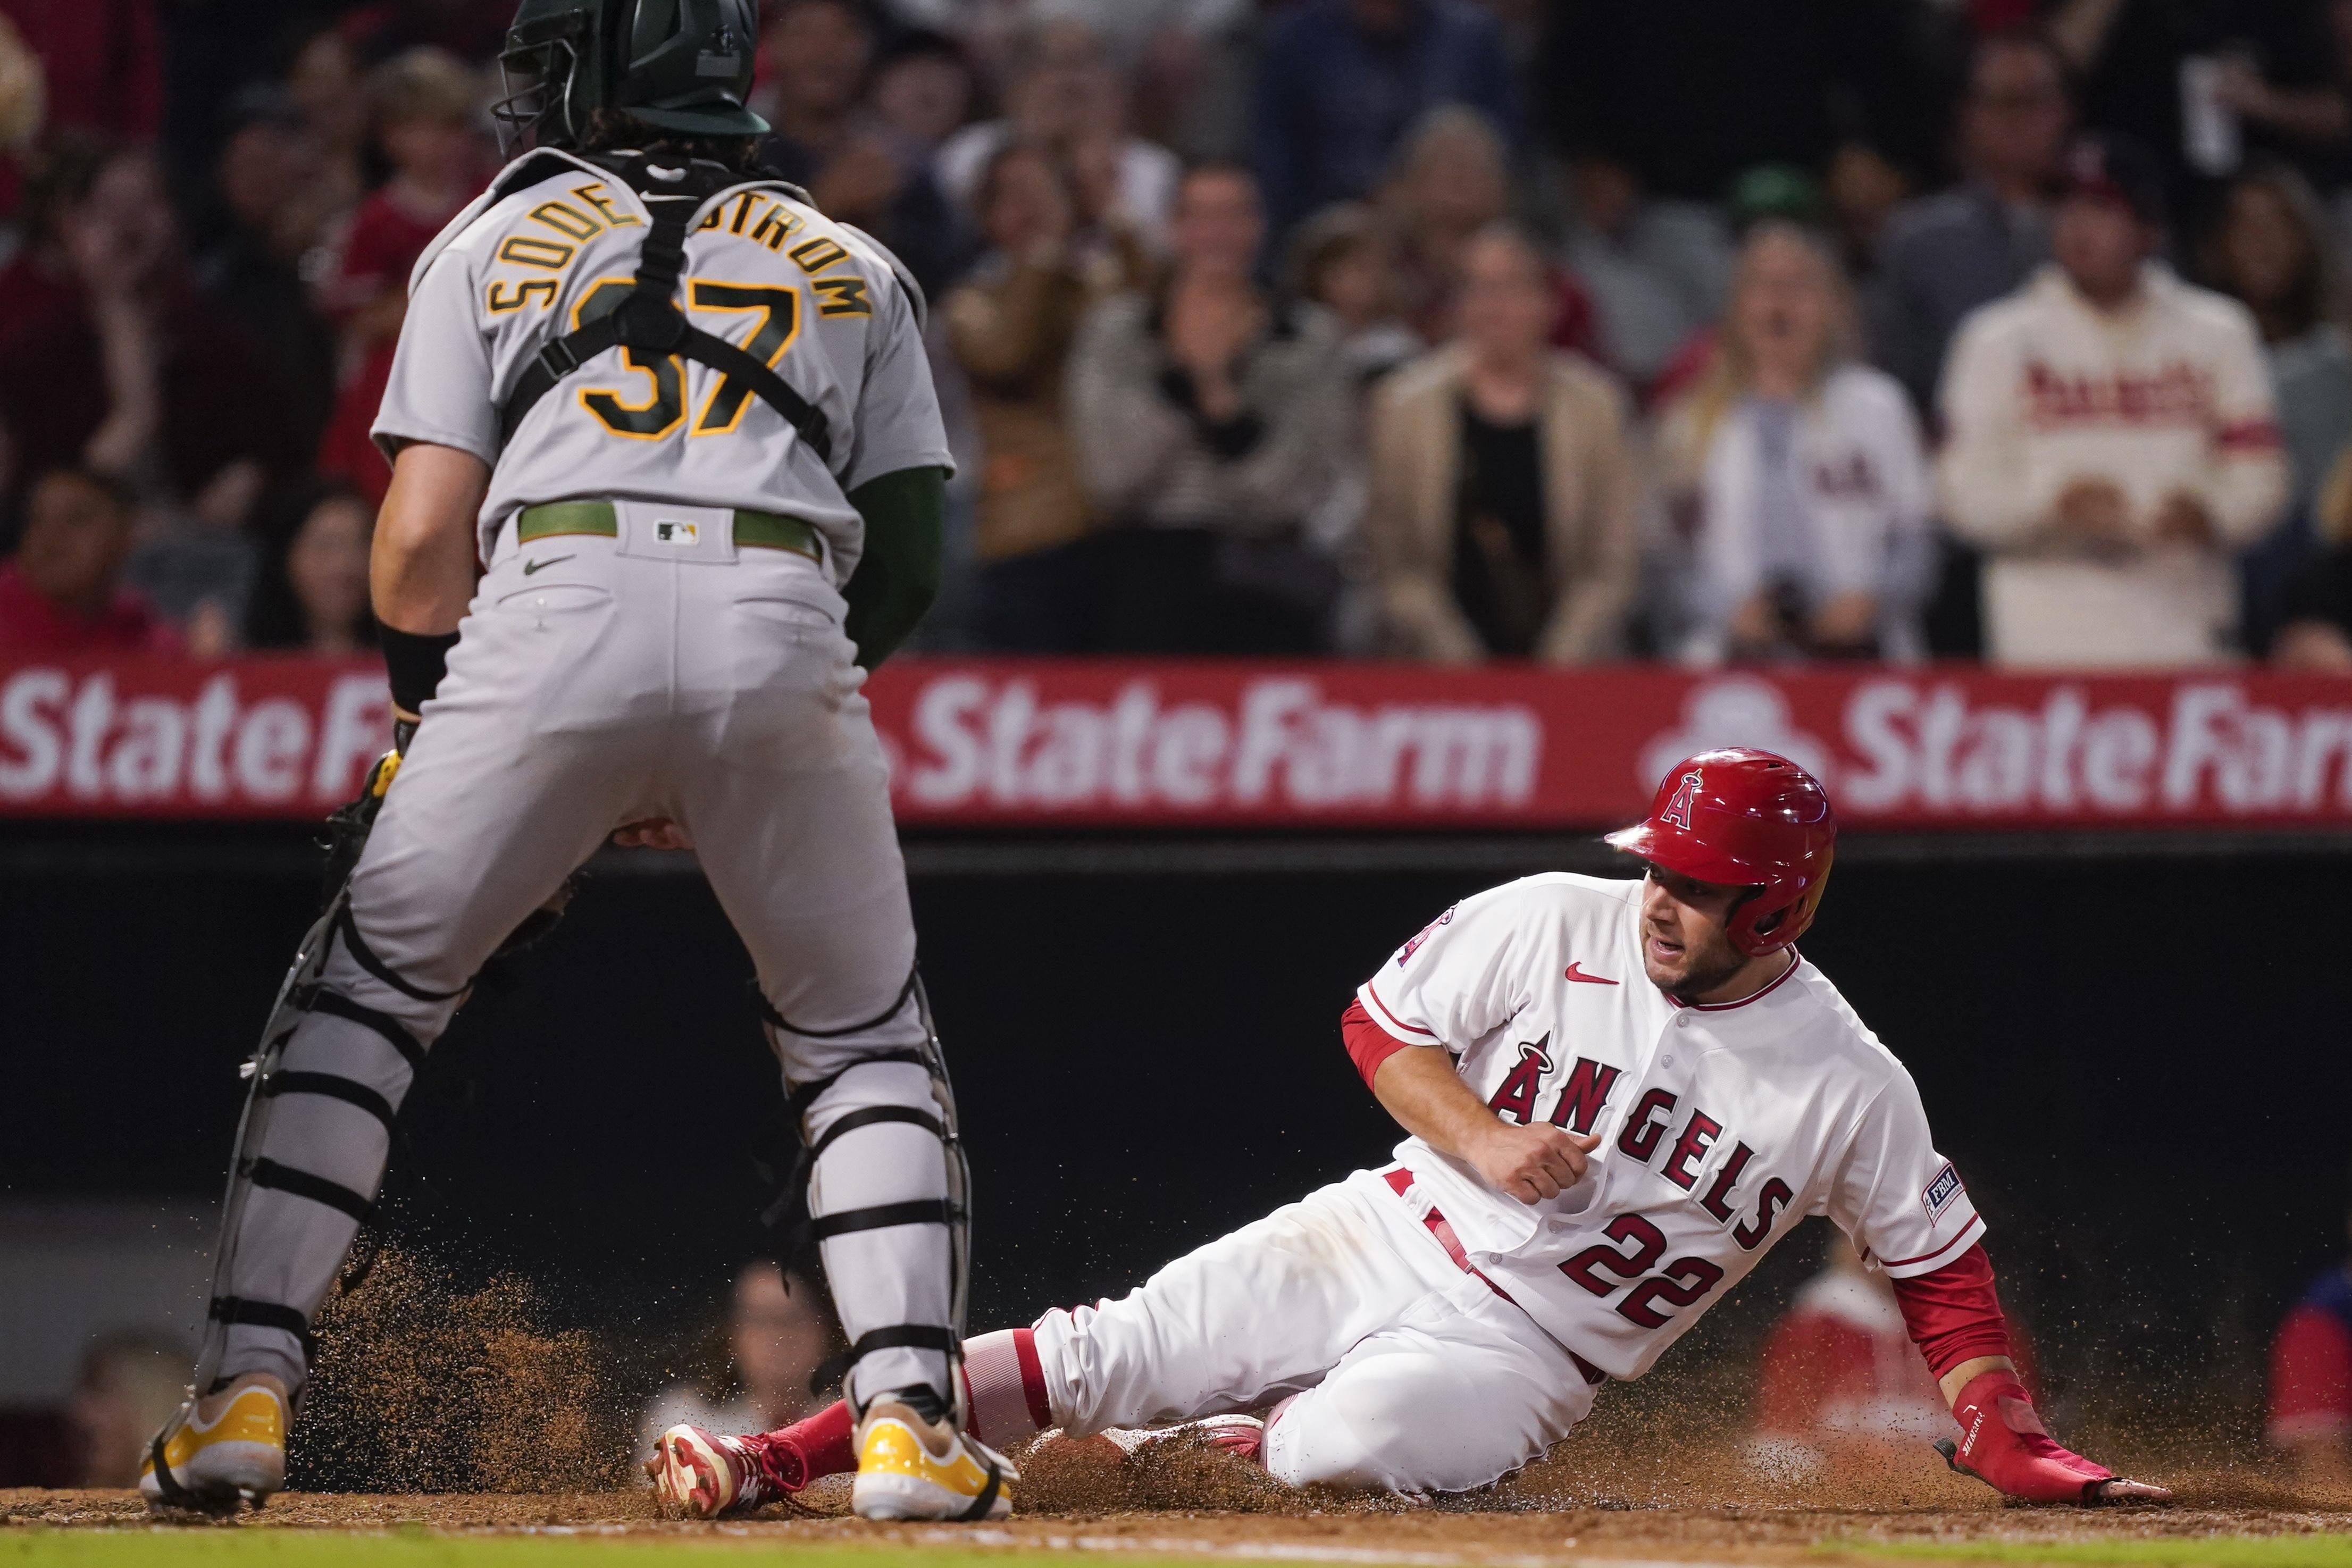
685	536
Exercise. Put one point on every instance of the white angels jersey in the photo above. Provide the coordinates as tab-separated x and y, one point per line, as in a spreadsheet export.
820	302
1720	1127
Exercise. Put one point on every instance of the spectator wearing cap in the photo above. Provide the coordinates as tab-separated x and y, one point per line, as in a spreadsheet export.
815	61
1067	99
422	105
1011	324
1210	423
1943	255
1795	481
61	595
1504	489
1341	82
2112	440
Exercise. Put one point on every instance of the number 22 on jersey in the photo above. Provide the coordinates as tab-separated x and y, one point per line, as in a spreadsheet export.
778	311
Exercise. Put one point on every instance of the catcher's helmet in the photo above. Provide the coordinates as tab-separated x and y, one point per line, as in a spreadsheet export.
1744	818
673	65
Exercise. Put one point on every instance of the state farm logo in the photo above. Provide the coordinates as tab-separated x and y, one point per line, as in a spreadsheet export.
2200	747
1279	743
1736	710
80	741
1954	747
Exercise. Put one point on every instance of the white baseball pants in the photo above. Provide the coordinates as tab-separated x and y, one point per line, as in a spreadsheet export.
600	681
1411	1376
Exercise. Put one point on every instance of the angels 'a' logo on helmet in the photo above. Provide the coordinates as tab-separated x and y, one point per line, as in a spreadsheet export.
1678	810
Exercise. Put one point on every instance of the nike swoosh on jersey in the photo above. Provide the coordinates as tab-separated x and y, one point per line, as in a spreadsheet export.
531	565
1576	974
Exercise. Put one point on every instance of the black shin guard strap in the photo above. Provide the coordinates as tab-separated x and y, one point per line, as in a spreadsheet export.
768	1011
378	968
236	1310
797	1103
987	1498
267	1172
875	1116
898	1336
332	1086
334	1004
882	1216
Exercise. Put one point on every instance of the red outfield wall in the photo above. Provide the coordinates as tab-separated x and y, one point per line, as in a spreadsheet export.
1013	743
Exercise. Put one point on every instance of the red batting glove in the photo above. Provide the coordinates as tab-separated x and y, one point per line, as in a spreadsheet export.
2004	1444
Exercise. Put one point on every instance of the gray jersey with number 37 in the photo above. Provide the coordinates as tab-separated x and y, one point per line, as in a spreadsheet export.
818	301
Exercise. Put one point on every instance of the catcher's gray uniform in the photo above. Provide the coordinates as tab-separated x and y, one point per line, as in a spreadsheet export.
636	660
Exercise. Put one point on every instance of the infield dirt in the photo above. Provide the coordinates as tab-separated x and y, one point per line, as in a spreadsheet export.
472	1409
1181	1501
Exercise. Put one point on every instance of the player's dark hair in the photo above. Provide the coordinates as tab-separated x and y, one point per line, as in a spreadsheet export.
611	131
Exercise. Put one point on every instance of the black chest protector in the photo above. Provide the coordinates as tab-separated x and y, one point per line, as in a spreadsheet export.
647	320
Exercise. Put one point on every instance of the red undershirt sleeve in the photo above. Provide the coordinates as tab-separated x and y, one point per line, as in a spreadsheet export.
1368	1043
1954	1313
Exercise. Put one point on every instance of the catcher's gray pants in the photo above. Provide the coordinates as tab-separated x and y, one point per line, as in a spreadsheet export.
598	682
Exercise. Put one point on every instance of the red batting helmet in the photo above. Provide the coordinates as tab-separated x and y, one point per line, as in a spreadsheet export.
1745	819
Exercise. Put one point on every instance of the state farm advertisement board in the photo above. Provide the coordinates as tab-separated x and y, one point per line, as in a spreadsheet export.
1042	745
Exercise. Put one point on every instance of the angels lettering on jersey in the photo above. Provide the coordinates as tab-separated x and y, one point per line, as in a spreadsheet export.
1720	1127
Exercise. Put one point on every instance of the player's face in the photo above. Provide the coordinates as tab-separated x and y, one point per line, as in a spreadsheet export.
1685	943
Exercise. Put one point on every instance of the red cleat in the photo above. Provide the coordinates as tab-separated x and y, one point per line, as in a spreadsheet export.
704	1474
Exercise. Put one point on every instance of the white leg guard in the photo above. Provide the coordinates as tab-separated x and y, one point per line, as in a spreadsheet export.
310	1159
887	1189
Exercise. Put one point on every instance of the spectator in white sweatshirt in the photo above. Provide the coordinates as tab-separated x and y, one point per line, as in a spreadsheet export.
1794	480
2111	439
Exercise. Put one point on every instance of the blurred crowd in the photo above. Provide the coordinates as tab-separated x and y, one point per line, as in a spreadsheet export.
1434	329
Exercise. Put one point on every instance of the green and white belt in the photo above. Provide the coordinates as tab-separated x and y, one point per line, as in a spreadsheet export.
760	530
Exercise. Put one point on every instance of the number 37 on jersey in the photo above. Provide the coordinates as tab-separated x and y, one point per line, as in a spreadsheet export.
762	317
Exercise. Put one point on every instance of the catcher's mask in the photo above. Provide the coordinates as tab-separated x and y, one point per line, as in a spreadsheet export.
680	66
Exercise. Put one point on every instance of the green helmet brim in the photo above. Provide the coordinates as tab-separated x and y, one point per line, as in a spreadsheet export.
712	119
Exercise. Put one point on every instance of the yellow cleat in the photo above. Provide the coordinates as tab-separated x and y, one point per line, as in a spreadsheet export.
238	1454
909	1468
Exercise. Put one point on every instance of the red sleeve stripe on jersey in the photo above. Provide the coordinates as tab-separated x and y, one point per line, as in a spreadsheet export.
1975	1224
2249	435
1368	1043
1954	1313
1393	1023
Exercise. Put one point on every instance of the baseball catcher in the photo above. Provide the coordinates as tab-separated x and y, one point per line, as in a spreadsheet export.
1617	1096
667	476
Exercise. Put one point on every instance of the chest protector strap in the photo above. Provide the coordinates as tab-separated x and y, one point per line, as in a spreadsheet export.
650	323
